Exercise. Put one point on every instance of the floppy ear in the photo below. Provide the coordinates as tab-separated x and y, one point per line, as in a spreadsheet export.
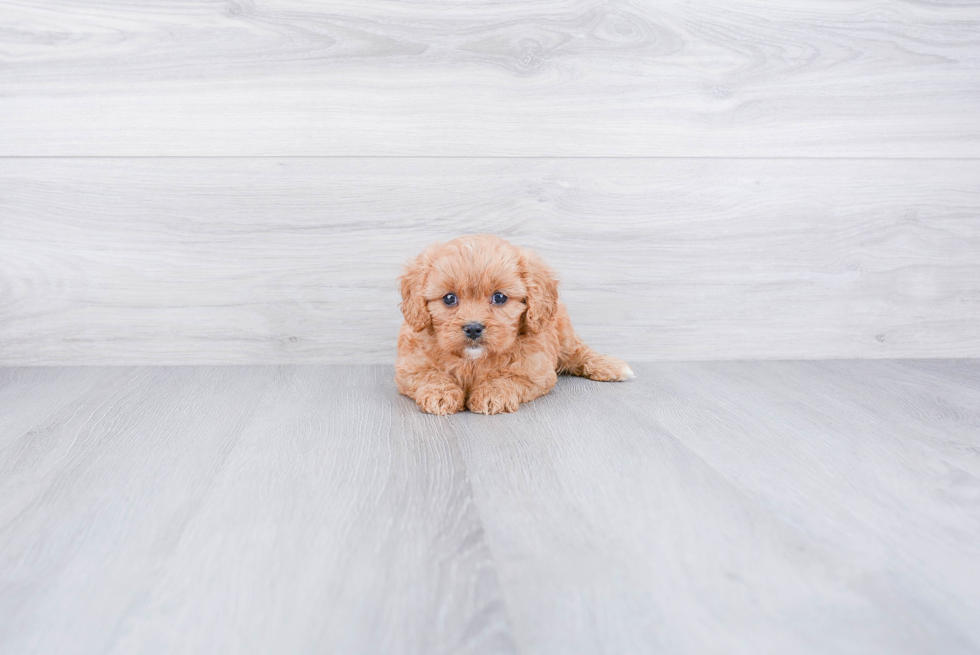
542	291
412	286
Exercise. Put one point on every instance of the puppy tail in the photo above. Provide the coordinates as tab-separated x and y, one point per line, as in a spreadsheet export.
576	358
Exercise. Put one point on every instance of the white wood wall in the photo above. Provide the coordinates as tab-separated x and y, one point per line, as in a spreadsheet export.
232	182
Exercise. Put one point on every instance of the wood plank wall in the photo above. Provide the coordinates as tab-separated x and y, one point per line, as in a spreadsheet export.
239	182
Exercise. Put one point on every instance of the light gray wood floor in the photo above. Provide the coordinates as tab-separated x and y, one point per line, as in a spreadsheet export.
755	507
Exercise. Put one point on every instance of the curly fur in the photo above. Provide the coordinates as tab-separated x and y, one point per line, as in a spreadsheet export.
526	342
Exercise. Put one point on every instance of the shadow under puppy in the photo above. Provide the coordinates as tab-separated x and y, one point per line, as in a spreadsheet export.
484	329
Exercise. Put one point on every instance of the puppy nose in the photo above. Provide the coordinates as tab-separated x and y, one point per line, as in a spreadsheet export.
473	330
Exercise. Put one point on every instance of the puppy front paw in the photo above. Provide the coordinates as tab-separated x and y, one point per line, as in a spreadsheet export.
440	399
493	399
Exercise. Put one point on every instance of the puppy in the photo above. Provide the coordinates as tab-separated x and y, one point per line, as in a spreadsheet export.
484	330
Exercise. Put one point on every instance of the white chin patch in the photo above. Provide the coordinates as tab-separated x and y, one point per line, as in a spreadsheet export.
474	352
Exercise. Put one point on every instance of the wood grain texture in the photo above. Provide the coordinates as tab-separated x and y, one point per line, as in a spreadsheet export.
235	510
739	507
756	78
207	261
744	507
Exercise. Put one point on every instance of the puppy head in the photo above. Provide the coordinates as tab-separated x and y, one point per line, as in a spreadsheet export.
478	294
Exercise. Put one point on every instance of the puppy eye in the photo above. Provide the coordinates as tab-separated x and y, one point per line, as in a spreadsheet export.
498	298
449	299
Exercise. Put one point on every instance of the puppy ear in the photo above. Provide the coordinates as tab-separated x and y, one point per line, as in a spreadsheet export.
542	291
412	284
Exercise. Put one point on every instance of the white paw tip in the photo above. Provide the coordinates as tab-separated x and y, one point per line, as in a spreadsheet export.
627	373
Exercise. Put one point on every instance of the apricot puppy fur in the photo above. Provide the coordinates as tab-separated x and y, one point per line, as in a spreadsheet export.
484	330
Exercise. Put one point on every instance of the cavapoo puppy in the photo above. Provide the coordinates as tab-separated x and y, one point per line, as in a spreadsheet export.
484	329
